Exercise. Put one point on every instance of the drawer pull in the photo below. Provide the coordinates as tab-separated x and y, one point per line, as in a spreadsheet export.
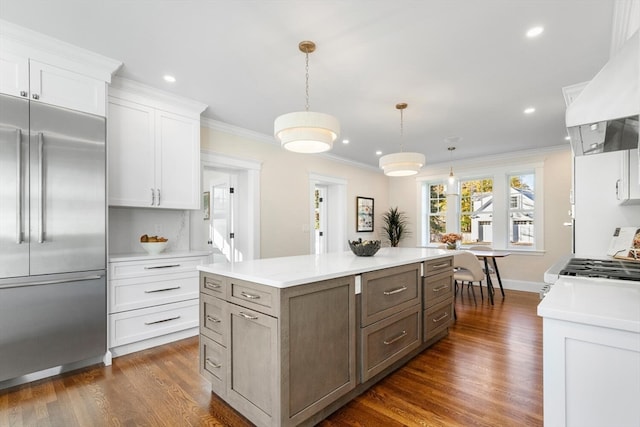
441	288
396	291
163	320
213	364
213	319
443	265
212	285
399	337
249	296
162	290
162	266
247	316
444	316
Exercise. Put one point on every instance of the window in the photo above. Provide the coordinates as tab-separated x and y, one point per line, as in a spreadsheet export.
436	217
521	210
499	208
476	211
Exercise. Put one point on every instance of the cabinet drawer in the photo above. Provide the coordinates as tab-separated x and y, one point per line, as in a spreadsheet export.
212	318
154	267
213	364
388	291
439	265
256	297
130	294
437	288
213	284
387	341
437	319
137	325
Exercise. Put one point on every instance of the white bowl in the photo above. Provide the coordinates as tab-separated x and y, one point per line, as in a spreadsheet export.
154	248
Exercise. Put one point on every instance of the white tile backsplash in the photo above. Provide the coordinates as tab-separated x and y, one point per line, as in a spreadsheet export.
126	225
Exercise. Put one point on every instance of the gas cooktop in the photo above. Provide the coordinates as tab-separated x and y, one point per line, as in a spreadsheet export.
602	268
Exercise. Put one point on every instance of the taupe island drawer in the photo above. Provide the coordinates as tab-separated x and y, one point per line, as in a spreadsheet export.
437	288
437	319
388	291
387	341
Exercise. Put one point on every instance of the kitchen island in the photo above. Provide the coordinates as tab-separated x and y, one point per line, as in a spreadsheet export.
286	341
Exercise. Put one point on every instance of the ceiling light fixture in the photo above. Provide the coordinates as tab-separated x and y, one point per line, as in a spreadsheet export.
452	177
169	78
535	32
306	131
529	110
401	164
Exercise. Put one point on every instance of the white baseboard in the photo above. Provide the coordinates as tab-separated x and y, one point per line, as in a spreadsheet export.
153	342
515	285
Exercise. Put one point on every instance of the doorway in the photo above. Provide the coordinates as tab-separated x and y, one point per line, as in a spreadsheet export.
328	210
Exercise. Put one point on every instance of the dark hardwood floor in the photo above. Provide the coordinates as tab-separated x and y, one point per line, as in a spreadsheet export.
487	372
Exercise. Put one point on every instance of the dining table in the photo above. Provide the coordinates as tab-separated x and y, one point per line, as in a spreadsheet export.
485	255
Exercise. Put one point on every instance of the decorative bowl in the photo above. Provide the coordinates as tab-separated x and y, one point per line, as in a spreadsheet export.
364	247
154	248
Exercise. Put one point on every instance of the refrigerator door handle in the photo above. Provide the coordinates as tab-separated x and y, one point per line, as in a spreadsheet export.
19	186
153	197
41	190
52	282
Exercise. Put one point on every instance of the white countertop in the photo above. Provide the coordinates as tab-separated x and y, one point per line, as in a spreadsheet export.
143	256
593	301
297	270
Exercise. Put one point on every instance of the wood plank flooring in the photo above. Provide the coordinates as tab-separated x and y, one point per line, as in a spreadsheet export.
487	372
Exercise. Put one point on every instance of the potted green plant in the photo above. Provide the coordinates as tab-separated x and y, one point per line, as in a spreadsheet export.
395	226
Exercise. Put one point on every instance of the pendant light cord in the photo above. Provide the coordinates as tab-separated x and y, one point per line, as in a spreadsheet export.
306	105
401	129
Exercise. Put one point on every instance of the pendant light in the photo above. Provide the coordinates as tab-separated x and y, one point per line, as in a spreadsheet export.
452	178
402	163
306	131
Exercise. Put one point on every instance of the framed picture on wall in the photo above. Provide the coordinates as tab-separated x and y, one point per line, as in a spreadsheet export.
364	214
206	204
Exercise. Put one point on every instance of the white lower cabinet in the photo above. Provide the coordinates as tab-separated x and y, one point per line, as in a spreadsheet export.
152	301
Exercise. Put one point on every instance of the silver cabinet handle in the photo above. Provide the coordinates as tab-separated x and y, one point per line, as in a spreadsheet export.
444	316
23	93
399	337
212	285
443	265
42	187
441	288
161	290
19	186
618	189
248	316
161	321
153	197
213	319
35	96
395	291
213	364
158	197
162	266
249	296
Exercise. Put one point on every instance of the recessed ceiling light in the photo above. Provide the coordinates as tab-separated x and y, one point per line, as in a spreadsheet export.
534	32
567	138
378	153
169	78
529	110
345	141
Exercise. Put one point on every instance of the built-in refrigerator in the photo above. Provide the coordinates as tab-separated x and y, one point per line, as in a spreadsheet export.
52	237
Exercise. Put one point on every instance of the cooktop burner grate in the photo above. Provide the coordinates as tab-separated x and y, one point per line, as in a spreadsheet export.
602	268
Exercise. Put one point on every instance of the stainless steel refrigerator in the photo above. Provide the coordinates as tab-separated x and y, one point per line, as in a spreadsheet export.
52	237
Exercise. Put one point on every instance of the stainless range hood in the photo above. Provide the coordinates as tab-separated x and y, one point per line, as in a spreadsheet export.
604	117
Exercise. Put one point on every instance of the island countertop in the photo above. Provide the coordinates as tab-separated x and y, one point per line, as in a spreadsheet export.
284	272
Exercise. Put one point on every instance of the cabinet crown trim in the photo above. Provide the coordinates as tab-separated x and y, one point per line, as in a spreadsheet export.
29	43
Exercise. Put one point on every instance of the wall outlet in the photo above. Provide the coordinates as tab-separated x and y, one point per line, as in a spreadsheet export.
157	229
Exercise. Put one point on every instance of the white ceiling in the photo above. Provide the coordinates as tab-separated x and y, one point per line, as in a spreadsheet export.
464	67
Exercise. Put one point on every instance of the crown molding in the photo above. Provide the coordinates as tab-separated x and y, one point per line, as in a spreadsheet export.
625	22
31	44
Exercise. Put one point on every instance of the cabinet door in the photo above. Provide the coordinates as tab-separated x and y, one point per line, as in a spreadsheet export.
252	375
64	88
14	74
131	152
628	187
178	157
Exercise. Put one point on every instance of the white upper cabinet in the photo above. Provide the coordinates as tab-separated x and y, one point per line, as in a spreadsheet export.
46	70
628	186
153	143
